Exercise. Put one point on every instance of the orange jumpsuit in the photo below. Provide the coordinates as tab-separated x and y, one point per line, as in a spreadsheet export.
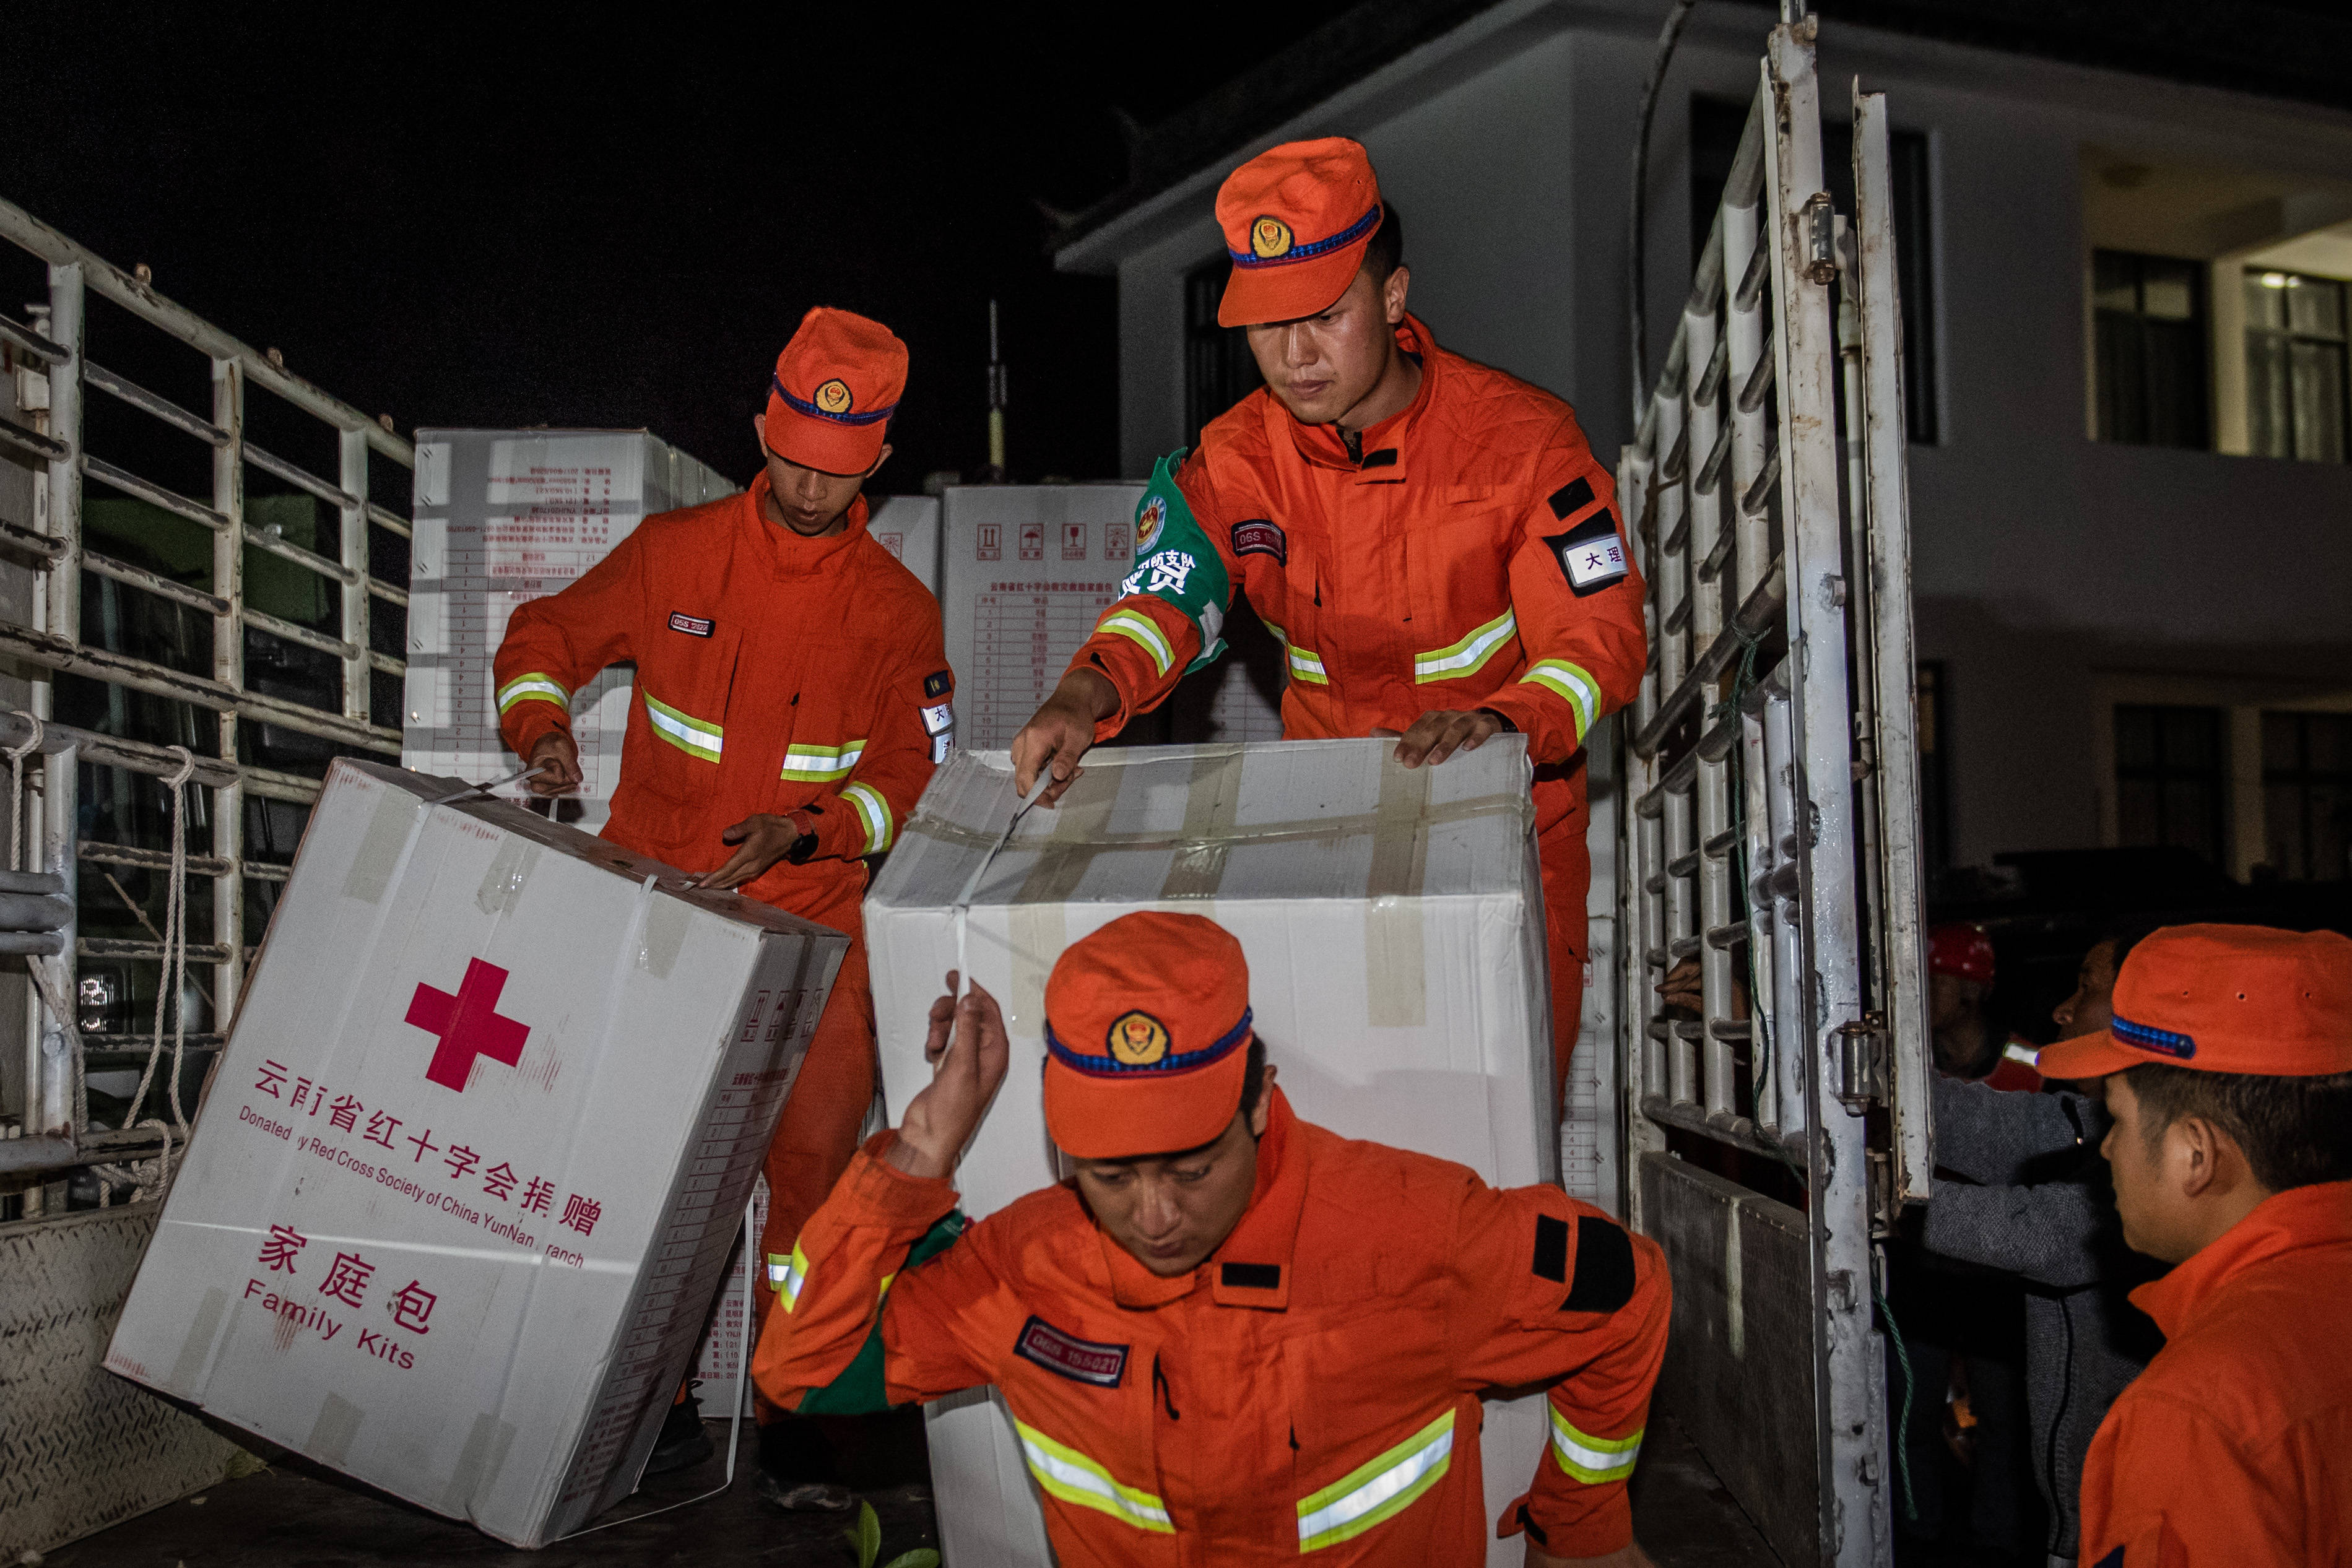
1312	1389
773	674
2235	1446
1471	559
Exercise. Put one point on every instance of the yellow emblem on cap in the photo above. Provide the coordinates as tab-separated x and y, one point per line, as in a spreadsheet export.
1270	238
1138	1039
833	396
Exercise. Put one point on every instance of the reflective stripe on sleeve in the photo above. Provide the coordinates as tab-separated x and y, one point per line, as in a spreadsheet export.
1076	1480
1572	682
795	1275
1139	628
534	685
1377	1491
1305	663
1467	656
875	812
1593	1461
816	764
779	1270
683	730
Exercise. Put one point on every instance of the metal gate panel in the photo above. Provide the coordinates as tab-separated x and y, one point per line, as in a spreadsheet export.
79	1448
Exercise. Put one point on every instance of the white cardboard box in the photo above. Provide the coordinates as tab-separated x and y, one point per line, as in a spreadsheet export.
474	1156
502	517
1393	922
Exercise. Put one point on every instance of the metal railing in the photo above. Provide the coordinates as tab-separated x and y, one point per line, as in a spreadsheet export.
59	360
1772	771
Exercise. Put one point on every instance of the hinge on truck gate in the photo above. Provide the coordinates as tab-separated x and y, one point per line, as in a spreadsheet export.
1820	239
1862	1062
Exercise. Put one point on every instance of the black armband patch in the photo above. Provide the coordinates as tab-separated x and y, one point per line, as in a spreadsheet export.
1551	1248
1604	1267
1591	555
1250	1276
1571	498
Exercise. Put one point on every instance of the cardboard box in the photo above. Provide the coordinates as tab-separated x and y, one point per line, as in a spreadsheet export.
502	517
476	1154
1393	921
1025	571
909	527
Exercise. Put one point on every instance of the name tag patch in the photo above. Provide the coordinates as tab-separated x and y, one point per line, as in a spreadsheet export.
940	719
692	625
1591	555
938	686
1261	537
1081	1361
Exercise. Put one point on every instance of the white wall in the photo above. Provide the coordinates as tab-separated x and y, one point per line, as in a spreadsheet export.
2043	563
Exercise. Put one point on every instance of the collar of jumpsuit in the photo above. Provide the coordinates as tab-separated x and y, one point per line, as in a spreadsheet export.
795	555
2299	1220
1322	445
1266	1235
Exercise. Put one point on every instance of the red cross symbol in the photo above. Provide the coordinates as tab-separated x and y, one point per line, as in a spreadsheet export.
468	1024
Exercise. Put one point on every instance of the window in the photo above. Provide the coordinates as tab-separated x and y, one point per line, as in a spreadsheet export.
2308	794
2150	329
1715	127
1219	371
2169	772
2294	366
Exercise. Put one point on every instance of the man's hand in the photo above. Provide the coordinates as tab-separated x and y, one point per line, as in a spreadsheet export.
557	757
1683	988
1439	734
965	1073
1629	1555
764	839
1061	731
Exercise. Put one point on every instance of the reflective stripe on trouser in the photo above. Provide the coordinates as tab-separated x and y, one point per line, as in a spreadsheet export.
1306	664
1139	629
787	1275
1469	655
1573	682
1379	1491
1593	1461
875	812
1076	1480
683	730
533	685
819	764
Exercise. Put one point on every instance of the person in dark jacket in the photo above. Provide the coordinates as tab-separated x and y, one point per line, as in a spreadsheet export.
2033	1200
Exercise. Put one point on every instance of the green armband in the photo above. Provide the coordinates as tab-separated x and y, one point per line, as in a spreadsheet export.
858	1390
1176	564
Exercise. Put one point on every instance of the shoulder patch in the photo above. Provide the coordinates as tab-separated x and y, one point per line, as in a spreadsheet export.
1591	555
1604	1267
1551	1248
1067	1355
692	625
1262	536
1572	497
939	684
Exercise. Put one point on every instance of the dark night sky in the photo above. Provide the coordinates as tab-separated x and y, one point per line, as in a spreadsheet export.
458	221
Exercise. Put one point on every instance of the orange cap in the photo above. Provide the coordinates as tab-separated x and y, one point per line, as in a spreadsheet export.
2223	999
1298	220
1147	1026
836	384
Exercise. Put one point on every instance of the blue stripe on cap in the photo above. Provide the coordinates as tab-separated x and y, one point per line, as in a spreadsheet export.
1176	1061
1308	252
2149	1037
802	406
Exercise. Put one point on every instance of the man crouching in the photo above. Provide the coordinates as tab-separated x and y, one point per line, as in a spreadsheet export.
1231	1335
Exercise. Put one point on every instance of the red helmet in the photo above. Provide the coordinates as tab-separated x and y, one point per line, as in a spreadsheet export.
1961	949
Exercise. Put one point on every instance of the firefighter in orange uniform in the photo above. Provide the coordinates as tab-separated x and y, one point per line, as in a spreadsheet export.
1431	540
792	698
2227	1068
1232	1336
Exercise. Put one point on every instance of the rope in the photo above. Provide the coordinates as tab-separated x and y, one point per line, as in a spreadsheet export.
1903	1430
153	1177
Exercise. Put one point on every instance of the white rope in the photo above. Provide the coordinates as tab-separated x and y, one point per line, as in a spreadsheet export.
154	1176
